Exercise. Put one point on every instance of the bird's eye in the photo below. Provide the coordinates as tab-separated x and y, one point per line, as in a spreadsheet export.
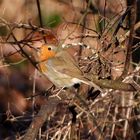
49	48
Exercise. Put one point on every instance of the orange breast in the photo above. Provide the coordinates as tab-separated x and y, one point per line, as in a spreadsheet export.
43	67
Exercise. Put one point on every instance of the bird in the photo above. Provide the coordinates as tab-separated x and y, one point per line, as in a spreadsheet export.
60	67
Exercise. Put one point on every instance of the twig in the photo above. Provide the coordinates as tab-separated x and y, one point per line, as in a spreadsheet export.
128	113
39	13
114	119
24	52
42	116
130	41
40	18
83	28
87	28
111	84
19	45
90	115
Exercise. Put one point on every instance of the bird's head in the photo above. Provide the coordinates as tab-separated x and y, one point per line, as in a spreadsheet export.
46	52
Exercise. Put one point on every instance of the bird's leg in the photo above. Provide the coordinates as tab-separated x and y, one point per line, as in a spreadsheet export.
57	94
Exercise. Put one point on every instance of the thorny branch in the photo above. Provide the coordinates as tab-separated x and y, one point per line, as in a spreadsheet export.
101	82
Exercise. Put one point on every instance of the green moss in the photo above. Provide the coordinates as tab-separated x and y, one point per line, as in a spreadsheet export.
3	30
51	20
18	65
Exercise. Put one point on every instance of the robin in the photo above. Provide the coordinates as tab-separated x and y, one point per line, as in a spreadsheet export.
61	68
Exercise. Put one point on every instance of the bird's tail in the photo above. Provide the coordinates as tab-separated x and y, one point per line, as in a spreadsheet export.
92	84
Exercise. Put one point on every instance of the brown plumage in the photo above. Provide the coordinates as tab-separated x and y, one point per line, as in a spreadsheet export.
61	68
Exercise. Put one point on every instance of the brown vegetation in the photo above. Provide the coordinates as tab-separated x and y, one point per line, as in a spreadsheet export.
102	36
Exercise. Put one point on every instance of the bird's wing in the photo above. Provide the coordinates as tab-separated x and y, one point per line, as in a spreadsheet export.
64	63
